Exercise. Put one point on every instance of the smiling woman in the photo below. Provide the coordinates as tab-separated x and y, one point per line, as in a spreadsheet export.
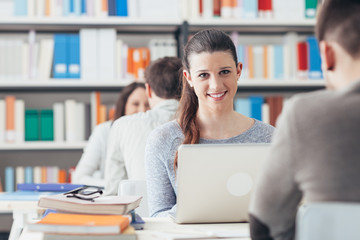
206	115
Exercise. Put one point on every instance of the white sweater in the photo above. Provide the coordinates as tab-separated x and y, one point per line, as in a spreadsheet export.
127	141
91	167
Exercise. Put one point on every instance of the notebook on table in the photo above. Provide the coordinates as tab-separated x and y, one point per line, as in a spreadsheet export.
215	181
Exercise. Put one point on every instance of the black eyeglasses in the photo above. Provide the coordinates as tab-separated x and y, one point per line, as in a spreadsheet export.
88	193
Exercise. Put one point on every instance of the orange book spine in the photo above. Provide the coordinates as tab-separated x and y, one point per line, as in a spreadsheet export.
104	6
98	104
130	62
47	8
227	3
62	176
10	118
43	175
137	61
251	61
102	113
266	66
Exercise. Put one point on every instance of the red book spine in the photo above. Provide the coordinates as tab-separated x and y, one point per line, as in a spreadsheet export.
217	6
302	51
268	5
261	5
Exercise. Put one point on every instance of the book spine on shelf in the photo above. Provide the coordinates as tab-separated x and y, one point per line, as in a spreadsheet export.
32	125
89	54
59	122
315	71
20	8
28	176
47	125
73	48
9	179
121	8
2	120
106	50
19	175
10	118
19	121
266	109
60	56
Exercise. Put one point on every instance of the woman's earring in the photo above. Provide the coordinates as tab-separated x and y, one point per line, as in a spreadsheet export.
190	84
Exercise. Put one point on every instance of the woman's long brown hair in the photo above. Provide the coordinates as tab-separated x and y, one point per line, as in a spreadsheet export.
210	41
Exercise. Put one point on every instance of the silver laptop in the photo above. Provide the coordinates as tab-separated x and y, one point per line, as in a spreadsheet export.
215	181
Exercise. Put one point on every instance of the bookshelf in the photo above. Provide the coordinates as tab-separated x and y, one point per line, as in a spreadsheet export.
39	93
253	25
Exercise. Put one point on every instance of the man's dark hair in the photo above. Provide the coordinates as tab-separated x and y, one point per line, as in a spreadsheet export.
339	21
163	76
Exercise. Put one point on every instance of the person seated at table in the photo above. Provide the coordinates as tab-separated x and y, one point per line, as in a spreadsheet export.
315	154
90	169
206	115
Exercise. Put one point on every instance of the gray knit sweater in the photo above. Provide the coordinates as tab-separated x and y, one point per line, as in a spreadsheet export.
315	156
160	152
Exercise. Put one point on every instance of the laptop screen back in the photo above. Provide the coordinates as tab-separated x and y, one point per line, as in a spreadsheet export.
215	181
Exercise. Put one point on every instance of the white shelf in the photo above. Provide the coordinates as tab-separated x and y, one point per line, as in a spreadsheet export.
255	25
252	22
75	23
42	145
62	83
282	83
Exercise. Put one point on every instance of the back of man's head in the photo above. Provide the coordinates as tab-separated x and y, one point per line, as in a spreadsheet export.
339	21
163	76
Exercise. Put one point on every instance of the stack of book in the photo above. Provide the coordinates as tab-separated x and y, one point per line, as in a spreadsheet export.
105	217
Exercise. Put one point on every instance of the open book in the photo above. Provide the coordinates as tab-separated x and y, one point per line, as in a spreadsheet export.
101	205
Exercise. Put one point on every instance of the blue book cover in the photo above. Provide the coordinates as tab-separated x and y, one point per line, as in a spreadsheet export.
72	7
83	7
66	7
9	179
47	187
242	105
23	196
315	71
240	53
77	7
256	103
250	9
20	8
278	62
112	7
121	8
74	56
60	56
28	175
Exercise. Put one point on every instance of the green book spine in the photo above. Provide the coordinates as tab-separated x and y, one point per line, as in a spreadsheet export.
310	8
47	125
31	125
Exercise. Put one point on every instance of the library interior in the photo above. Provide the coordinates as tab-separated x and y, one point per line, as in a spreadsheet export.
125	119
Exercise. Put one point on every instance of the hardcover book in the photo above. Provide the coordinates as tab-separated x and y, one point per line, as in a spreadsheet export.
67	223
100	205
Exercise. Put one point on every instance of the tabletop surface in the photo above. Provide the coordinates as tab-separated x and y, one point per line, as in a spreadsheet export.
165	228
